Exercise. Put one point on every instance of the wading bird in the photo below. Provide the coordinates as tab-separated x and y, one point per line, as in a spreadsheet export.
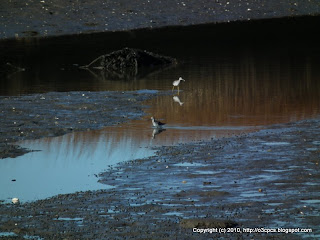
157	124
177	82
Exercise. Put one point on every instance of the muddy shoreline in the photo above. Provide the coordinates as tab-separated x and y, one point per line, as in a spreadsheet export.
268	179
57	113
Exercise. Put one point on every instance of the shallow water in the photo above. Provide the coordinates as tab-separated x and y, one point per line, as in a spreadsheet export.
225	93
72	162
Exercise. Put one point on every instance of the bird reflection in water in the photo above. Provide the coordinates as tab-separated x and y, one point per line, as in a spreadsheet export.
177	100
157	131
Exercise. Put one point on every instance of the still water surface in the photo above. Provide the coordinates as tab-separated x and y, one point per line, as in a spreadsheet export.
224	94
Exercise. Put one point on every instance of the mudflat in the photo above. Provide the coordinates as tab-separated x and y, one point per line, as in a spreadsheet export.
245	185
259	185
57	17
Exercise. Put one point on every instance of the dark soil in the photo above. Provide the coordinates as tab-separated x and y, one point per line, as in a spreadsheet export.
32	18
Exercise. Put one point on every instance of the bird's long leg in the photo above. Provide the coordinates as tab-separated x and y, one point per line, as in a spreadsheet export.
178	90
172	88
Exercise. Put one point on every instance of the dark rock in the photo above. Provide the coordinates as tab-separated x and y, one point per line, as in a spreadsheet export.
129	62
207	183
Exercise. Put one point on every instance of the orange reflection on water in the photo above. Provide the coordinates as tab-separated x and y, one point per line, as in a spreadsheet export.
225	96
243	93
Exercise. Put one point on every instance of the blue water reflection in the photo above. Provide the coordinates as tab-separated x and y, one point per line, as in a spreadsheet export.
65	164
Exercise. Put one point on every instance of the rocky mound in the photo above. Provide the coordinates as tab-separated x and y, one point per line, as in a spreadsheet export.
129	62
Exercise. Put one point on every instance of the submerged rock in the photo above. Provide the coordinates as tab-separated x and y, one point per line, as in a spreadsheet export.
129	62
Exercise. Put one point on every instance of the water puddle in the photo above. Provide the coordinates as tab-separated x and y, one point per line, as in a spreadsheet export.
187	164
179	214
312	149
263	177
208	172
311	201
224	94
251	194
77	220
275	170
269	211
7	235
276	143
312	183
274	204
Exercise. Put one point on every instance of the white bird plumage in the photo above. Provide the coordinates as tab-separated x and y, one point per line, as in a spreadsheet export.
156	123
177	82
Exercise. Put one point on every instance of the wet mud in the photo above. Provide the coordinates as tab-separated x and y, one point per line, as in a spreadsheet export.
53	18
267	180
